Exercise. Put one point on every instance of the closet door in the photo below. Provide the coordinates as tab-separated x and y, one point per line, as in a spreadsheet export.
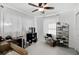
77	33
1	21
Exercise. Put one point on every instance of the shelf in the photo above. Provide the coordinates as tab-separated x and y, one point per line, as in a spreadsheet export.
62	33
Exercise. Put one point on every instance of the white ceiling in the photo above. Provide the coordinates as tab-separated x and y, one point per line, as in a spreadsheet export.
27	9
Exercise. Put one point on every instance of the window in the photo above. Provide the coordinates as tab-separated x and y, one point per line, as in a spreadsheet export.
52	28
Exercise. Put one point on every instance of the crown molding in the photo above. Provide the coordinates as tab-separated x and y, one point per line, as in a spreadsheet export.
18	10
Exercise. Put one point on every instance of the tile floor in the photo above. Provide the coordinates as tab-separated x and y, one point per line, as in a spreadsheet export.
41	48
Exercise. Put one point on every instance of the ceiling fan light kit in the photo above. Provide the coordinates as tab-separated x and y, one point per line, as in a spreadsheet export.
41	7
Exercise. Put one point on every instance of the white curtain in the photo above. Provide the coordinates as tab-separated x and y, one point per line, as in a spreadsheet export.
12	24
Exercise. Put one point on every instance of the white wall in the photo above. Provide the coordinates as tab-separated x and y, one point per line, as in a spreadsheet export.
40	29
67	17
71	18
76	40
21	22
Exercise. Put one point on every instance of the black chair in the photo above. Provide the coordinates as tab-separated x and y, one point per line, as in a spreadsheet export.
49	35
8	37
1	38
50	40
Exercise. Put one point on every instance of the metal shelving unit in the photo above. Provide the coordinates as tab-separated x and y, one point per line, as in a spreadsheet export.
62	34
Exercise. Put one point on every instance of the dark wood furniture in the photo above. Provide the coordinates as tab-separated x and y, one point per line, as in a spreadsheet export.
31	37
50	40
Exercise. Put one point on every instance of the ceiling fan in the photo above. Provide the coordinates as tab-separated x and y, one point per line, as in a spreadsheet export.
41	7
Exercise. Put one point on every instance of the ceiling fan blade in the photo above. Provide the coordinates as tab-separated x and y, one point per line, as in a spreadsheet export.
35	10
40	4
48	7
32	5
45	3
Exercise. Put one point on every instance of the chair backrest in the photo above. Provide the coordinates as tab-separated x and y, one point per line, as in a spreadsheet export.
49	35
0	37
8	37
